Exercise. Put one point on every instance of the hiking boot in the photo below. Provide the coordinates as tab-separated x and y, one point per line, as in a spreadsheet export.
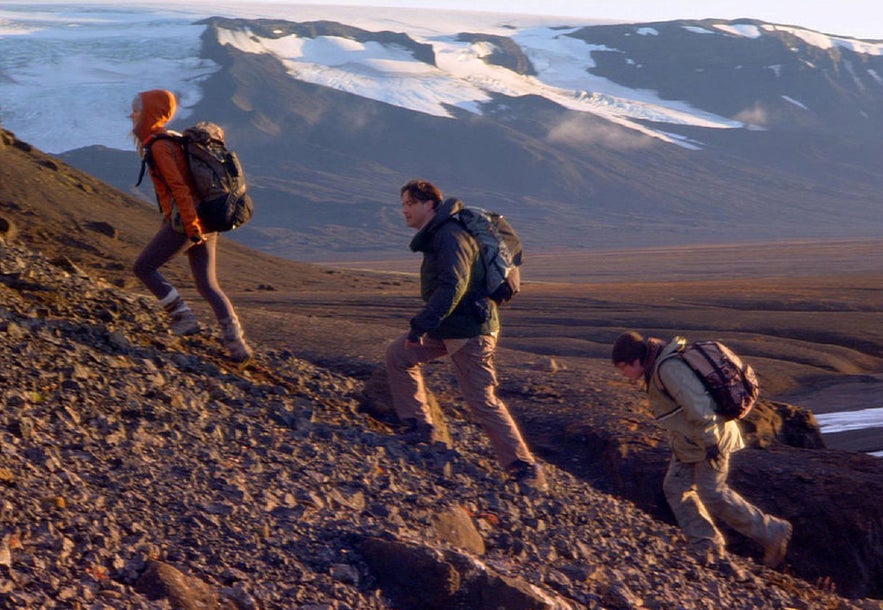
183	322
529	476
774	552
725	566
233	340
418	433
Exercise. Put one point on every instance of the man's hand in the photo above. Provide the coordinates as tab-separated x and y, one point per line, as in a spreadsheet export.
712	453
414	339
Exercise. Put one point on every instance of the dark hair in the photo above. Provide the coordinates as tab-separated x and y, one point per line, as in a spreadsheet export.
629	347
422	190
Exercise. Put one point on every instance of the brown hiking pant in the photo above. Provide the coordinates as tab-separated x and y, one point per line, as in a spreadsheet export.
698	492
473	361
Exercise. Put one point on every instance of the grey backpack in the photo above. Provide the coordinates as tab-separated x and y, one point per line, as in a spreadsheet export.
501	251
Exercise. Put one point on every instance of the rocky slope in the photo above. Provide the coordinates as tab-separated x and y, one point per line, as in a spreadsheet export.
139	471
129	454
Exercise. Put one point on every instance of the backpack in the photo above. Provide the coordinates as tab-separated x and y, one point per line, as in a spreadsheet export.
501	251
730	381
217	176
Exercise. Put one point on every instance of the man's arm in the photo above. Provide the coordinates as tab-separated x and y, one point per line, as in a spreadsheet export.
688	392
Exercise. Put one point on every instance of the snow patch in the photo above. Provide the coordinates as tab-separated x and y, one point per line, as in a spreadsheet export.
791	100
739	29
697	30
826	42
843	421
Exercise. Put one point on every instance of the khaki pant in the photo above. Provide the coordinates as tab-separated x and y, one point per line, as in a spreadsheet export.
473	361
698	492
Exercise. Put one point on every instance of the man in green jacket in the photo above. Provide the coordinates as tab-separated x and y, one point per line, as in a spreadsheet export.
701	442
457	320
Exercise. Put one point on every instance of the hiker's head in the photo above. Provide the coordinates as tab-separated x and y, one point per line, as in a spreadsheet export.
420	200
629	355
151	110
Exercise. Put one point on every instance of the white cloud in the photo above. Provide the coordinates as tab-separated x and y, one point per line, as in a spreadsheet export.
756	115
578	132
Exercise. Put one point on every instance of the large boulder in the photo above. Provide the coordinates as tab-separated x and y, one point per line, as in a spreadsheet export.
421	577
377	402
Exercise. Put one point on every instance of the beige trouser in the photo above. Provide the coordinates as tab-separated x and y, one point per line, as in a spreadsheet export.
473	361
697	492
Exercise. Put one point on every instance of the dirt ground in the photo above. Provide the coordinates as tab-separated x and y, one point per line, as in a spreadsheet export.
806	315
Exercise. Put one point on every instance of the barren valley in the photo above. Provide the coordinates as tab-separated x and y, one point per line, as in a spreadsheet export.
805	314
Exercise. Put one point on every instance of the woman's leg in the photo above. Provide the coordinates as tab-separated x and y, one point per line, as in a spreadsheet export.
204	270
164	246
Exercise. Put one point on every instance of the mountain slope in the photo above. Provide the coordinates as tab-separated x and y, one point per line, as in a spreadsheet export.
50	205
779	77
138	467
325	161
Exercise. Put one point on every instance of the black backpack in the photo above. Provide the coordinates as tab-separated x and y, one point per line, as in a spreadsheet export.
501	251
730	381
224	203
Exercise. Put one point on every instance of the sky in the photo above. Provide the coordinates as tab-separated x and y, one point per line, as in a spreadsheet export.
856	18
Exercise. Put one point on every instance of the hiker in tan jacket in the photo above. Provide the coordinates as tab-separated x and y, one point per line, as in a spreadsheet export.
701	441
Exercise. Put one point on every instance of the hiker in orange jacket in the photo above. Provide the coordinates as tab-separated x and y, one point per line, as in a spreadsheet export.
180	231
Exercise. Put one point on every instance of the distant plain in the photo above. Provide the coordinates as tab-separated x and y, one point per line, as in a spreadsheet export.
806	314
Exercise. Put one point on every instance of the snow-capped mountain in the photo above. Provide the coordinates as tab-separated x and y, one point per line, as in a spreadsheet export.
669	133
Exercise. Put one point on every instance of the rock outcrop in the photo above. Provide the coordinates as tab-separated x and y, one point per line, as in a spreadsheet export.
827	494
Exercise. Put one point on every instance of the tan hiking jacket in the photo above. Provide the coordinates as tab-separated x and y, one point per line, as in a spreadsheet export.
688	413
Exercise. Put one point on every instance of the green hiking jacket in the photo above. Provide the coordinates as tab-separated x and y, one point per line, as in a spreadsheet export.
690	419
452	277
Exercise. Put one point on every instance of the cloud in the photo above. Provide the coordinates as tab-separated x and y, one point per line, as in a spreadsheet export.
577	132
756	115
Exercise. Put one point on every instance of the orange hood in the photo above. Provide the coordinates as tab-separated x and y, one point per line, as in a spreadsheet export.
157	108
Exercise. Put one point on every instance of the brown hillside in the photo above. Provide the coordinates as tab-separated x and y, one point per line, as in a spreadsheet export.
130	456
62	211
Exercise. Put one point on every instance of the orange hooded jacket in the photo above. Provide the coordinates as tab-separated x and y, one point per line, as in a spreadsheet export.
170	174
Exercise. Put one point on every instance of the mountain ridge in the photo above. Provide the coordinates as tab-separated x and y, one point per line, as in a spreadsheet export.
326	162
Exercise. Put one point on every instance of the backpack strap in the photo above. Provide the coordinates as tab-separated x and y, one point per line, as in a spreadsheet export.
661	386
147	159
